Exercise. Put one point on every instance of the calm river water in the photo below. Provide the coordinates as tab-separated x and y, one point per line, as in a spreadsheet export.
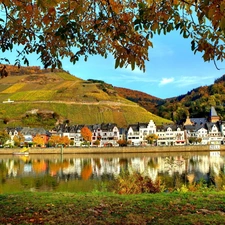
90	172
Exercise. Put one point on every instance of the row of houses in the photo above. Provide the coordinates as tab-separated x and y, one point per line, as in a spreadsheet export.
194	131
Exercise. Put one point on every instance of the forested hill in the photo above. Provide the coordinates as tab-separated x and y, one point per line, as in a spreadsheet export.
196	103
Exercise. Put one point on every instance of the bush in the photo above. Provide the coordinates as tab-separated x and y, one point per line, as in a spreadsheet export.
6	120
122	143
135	184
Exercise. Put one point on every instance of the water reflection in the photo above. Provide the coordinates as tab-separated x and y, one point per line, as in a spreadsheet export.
49	172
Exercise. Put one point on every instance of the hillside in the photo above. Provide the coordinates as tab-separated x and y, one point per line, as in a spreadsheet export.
38	97
196	103
146	101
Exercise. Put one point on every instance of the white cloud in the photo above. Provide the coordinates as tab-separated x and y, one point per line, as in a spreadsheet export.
165	81
193	81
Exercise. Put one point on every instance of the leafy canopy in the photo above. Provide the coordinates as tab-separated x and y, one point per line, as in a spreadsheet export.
55	29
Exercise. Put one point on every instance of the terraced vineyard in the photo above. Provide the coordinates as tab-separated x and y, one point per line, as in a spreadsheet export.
46	98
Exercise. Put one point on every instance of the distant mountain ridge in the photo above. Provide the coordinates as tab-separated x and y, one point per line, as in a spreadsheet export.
196	103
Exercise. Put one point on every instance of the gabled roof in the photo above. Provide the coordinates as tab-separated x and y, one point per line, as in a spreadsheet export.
174	127
134	127
108	126
198	121
143	125
209	125
33	131
195	127
18	129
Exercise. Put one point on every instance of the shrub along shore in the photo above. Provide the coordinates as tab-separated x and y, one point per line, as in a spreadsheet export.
102	150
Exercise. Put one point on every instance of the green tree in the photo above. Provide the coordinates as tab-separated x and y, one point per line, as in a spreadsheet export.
18	139
4	136
57	29
151	138
97	142
192	140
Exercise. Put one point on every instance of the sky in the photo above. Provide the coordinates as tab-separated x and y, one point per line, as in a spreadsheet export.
173	69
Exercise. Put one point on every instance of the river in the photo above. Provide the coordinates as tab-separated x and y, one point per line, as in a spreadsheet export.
88	172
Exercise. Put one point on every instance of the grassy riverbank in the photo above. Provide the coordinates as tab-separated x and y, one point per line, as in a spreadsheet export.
198	208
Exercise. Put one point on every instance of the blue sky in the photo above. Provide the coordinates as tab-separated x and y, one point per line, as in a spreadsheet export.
173	69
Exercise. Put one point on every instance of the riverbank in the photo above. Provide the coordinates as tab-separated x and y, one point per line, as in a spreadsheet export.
113	150
108	208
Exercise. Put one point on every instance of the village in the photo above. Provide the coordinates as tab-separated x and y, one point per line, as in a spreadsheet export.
194	131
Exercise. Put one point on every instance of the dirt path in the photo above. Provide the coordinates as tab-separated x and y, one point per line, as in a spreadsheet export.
109	103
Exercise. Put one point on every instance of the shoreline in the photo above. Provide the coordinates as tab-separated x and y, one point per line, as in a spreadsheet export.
107	150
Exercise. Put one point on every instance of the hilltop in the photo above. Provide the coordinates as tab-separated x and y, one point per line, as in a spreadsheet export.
33	97
195	103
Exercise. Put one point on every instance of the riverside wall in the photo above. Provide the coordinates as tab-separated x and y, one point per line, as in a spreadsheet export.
113	150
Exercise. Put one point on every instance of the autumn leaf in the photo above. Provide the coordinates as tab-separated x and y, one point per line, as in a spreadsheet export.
103	27
86	133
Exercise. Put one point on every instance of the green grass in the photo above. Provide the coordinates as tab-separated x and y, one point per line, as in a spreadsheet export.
67	76
14	88
38	95
80	114
108	208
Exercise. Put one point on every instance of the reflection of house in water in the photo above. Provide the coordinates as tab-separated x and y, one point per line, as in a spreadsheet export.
108	166
195	167
172	165
201	167
216	163
74	168
200	164
12	170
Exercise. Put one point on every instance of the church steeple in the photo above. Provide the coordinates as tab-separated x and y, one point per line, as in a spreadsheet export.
188	121
213	117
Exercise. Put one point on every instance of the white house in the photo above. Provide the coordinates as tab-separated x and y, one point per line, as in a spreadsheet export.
214	134
72	132
108	134
133	135
169	135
